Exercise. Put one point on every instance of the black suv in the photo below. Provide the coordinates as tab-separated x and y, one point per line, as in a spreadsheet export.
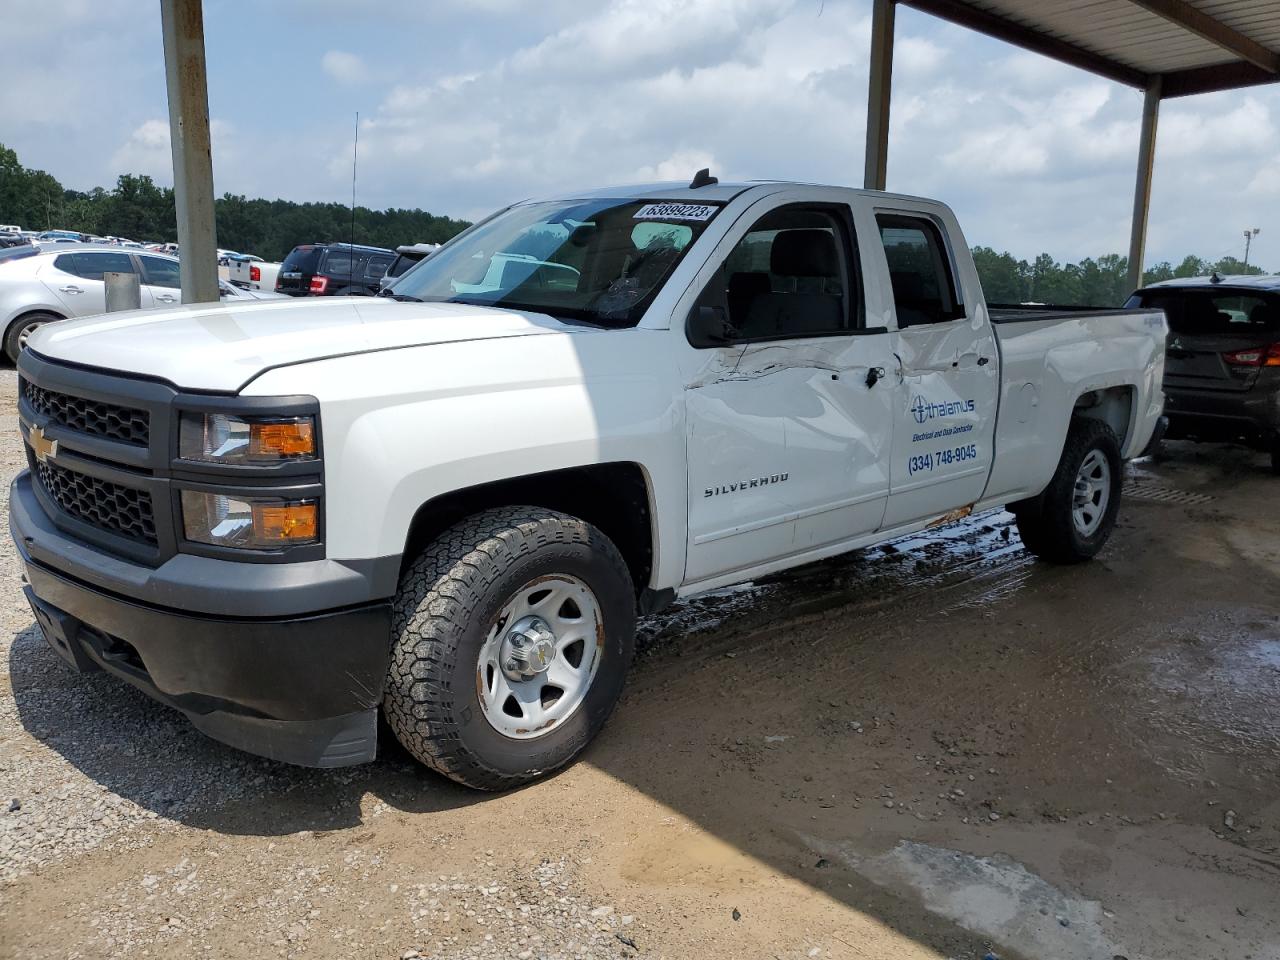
1222	361
333	269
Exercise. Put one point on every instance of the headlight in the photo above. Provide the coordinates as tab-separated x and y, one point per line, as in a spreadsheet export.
222	438
253	523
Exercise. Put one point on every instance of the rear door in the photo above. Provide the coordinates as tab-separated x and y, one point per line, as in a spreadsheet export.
948	369
161	281
1218	339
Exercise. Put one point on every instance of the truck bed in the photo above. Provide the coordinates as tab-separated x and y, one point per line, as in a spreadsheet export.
1024	312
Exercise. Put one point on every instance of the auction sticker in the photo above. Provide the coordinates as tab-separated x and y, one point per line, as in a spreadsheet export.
676	211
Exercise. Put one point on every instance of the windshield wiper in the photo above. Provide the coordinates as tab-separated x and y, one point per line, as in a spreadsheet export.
405	298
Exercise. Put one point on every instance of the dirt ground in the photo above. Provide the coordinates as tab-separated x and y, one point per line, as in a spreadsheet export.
936	748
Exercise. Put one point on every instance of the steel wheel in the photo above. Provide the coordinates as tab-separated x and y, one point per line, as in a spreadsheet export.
1092	493
540	656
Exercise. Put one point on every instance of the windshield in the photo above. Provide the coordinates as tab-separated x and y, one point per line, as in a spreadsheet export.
602	261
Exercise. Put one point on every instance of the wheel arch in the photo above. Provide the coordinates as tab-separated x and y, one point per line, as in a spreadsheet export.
1115	406
616	498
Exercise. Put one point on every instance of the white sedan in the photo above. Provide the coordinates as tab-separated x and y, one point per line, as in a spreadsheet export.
38	286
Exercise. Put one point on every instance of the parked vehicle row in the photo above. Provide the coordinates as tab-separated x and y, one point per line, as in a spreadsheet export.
448	504
42	286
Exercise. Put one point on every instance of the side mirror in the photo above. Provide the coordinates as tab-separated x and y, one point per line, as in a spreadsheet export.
709	327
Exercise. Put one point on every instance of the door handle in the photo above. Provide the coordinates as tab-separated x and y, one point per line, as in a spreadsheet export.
166	299
69	288
983	361
874	376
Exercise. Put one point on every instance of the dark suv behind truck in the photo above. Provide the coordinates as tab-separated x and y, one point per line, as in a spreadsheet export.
333	269
1222	361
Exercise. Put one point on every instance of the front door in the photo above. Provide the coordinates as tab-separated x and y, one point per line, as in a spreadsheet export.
947	376
789	421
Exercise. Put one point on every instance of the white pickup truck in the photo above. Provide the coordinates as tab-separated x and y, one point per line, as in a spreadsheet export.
450	505
252	273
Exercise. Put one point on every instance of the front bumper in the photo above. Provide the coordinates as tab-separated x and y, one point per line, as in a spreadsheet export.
298	687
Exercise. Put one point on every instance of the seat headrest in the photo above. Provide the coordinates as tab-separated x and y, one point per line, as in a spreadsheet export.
1265	313
804	253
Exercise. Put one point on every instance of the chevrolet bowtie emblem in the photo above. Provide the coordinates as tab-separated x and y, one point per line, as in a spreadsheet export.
45	449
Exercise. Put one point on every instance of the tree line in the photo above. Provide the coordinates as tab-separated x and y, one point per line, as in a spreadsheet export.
137	208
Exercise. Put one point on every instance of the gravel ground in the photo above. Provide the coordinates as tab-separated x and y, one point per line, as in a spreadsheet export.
936	748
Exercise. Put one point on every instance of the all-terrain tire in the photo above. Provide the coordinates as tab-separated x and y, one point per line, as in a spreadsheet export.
1046	523
25	323
448	602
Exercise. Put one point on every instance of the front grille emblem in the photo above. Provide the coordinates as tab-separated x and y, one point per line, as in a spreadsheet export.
44	448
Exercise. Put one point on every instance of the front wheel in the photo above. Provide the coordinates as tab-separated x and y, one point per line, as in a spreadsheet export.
512	635
15	338
1074	516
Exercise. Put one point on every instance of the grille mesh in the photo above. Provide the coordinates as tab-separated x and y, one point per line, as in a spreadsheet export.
124	424
109	506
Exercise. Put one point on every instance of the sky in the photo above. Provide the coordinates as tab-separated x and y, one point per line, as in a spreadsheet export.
467	105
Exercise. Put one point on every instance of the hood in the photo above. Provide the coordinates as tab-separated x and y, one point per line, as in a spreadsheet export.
221	347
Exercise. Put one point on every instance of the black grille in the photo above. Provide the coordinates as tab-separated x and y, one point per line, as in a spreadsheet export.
121	510
124	424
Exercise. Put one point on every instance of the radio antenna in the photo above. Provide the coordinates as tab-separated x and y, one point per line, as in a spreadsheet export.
355	159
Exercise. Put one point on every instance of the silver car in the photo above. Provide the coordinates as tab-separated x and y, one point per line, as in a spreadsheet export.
38	286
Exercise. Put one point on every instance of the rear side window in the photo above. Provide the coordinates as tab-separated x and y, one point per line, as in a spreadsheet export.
301	260
340	263
919	269
1215	312
377	267
159	272
91	266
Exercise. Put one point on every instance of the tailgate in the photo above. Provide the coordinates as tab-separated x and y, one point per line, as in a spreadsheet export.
1219	336
1201	362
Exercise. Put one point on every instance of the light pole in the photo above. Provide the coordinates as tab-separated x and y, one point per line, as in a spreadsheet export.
1248	239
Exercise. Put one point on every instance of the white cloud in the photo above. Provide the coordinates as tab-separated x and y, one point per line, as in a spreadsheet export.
344	67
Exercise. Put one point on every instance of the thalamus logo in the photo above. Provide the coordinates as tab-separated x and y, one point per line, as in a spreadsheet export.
923	410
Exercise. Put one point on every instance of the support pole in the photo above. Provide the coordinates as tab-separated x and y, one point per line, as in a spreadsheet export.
1142	186
878	90
182	23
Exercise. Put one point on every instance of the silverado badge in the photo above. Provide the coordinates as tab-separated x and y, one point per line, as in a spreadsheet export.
45	449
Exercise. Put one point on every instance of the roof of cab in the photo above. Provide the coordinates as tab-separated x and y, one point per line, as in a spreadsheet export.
1269	282
679	190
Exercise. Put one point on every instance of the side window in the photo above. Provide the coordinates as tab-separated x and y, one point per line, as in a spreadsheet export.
377	267
919	270
789	276
92	266
340	263
159	272
66	262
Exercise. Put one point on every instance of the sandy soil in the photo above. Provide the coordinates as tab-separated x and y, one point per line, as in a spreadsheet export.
931	749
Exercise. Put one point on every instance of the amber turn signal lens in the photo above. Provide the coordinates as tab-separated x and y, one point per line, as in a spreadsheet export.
289	438
284	523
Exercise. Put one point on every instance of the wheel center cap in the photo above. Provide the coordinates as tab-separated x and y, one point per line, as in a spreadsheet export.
528	649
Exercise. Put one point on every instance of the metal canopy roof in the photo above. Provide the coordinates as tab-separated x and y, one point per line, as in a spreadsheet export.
1189	46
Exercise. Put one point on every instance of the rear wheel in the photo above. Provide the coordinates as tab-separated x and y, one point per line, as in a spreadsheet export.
15	338
1073	518
1275	455
513	632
